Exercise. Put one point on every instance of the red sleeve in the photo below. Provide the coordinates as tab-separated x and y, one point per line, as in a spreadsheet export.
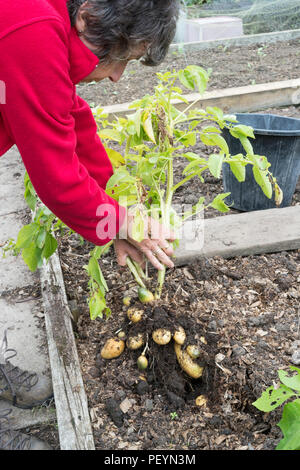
40	102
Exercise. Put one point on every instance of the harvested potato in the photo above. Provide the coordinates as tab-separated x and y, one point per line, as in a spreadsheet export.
135	342
112	348
135	315
145	295
161	336
126	301
122	335
201	400
203	340
193	351
179	335
186	363
142	362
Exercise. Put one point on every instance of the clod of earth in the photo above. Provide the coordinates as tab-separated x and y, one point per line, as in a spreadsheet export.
112	348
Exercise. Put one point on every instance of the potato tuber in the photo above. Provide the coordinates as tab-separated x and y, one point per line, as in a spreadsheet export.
161	336
142	362
187	364
145	295
179	335
112	348
135	342
134	315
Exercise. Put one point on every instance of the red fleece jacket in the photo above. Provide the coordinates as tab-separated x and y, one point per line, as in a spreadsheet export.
41	60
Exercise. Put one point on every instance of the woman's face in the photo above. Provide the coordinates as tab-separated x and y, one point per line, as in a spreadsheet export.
113	70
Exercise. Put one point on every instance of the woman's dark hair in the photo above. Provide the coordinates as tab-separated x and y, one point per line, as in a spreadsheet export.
118	27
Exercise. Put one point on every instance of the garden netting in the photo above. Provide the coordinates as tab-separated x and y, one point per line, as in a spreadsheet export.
259	16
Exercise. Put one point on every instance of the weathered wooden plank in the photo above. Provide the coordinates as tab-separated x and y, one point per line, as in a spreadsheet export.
74	427
250	233
233	100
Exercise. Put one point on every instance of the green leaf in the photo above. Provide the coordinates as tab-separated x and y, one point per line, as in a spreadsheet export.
110	134
246	144
26	235
97	305
242	131
219	204
120	175
215	164
272	397
96	273
216	112
49	246
115	157
215	139
262	179
187	139
40	240
31	255
290	427
193	77
30	199
292	382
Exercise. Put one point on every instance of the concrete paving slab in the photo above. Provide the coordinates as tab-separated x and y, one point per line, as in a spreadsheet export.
21	314
21	419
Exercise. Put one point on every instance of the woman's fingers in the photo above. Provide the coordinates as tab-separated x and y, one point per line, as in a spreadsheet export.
124	249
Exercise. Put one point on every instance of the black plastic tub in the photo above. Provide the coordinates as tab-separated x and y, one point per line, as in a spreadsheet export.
278	139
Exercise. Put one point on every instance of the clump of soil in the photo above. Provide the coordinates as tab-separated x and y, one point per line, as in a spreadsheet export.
247	308
163	373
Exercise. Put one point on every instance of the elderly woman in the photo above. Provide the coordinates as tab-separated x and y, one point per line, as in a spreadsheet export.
46	48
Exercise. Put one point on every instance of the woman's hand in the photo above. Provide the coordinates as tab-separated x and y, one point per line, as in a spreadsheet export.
155	246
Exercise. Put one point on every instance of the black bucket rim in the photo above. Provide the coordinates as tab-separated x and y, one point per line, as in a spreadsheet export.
271	132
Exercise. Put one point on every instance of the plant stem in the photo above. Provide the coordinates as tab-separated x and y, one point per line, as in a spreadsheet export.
134	272
160	283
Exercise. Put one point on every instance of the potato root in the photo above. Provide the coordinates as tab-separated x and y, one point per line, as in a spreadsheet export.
186	363
179	335
112	348
135	342
161	336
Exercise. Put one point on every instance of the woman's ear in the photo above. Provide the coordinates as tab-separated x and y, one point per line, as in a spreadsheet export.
79	22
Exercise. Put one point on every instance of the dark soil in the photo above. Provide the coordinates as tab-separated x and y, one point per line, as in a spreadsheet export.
246	308
231	67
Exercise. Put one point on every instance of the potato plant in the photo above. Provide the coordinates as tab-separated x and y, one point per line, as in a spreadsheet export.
274	396
154	135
